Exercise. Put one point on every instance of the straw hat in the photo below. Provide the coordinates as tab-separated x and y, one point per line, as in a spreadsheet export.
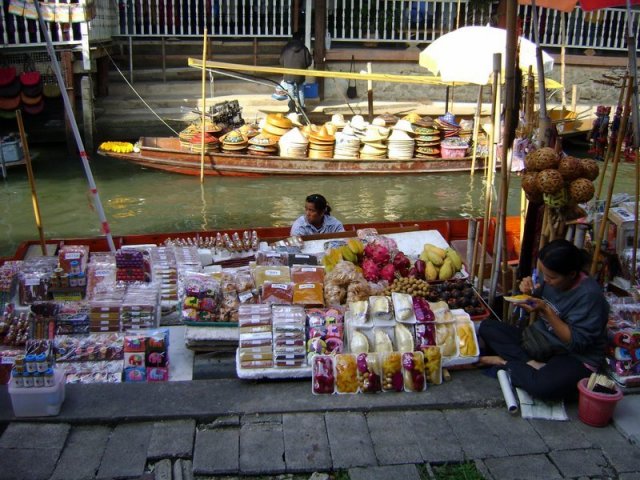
279	120
320	154
412	117
321	147
293	137
249	130
372	136
369	149
234	137
274	130
295	119
404	125
399	135
338	120
379	121
358	123
264	139
321	135
331	128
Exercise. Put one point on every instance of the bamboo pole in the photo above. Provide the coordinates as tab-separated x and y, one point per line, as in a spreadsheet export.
370	92
607	154
204	103
614	171
497	67
476	130
32	181
634	254
563	49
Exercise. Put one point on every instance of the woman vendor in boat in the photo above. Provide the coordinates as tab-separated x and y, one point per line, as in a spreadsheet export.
566	341
317	218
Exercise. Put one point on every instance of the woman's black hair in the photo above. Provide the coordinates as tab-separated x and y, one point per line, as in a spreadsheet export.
563	257
320	203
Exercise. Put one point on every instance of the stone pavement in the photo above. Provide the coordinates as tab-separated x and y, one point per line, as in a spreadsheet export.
283	429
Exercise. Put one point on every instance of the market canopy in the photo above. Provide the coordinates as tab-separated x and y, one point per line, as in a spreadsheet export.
465	55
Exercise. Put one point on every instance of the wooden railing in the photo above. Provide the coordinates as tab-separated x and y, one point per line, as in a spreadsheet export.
348	21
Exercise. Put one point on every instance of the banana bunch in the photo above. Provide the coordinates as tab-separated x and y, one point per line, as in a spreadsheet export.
442	264
351	252
118	147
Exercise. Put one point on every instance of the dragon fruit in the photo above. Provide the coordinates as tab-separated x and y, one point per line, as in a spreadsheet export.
377	253
370	270
388	272
402	264
422	310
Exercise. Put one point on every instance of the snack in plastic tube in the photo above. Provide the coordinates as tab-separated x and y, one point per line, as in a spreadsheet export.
404	338
392	380
382	341
369	372
433	364
346	374
359	343
446	338
413	371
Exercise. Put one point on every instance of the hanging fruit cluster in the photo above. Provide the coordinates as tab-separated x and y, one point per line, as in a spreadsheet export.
550	178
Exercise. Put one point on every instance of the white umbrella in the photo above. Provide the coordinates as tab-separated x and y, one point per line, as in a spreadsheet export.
466	54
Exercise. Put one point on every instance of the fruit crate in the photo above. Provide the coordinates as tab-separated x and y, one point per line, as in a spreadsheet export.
459	294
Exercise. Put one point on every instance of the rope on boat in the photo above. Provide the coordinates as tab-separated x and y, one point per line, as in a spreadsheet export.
137	94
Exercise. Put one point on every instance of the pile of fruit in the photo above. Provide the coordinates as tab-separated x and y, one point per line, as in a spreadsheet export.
118	147
457	294
440	263
558	180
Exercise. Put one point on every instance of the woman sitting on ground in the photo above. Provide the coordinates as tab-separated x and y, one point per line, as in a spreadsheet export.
316	219
567	340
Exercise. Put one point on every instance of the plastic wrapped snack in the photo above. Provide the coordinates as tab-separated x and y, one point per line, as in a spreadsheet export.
308	294
433	364
413	371
369	372
346	373
380	309
403	307
323	380
358	342
271	273
307	274
277	292
382	341
404	338
358	291
272	258
392	380
446	338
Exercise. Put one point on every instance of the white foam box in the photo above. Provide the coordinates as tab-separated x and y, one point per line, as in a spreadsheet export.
38	401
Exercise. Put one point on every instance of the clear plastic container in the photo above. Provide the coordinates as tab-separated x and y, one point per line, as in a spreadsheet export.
392	380
38	402
413	372
323	377
369	372
346	373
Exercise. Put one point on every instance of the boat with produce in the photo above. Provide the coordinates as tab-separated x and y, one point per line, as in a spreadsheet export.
165	153
451	230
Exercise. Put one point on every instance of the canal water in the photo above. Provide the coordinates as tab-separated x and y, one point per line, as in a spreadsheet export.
138	200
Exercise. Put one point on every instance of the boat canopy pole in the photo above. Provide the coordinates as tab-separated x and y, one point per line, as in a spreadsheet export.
76	133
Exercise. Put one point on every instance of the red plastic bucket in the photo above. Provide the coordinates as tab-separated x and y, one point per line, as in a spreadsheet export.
594	408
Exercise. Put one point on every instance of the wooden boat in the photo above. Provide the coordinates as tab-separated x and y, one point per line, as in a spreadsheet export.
165	153
452	230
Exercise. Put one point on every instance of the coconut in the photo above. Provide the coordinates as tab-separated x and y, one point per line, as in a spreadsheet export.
581	190
570	168
550	181
590	168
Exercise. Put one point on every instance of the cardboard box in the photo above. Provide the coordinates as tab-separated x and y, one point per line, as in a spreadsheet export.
620	229
38	401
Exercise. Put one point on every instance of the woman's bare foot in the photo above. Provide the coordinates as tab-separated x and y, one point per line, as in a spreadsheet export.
535	364
491	360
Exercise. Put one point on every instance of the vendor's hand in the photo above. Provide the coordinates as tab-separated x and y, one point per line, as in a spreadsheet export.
526	285
534	304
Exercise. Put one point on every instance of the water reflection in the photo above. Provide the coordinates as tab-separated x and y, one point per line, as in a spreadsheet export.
138	200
